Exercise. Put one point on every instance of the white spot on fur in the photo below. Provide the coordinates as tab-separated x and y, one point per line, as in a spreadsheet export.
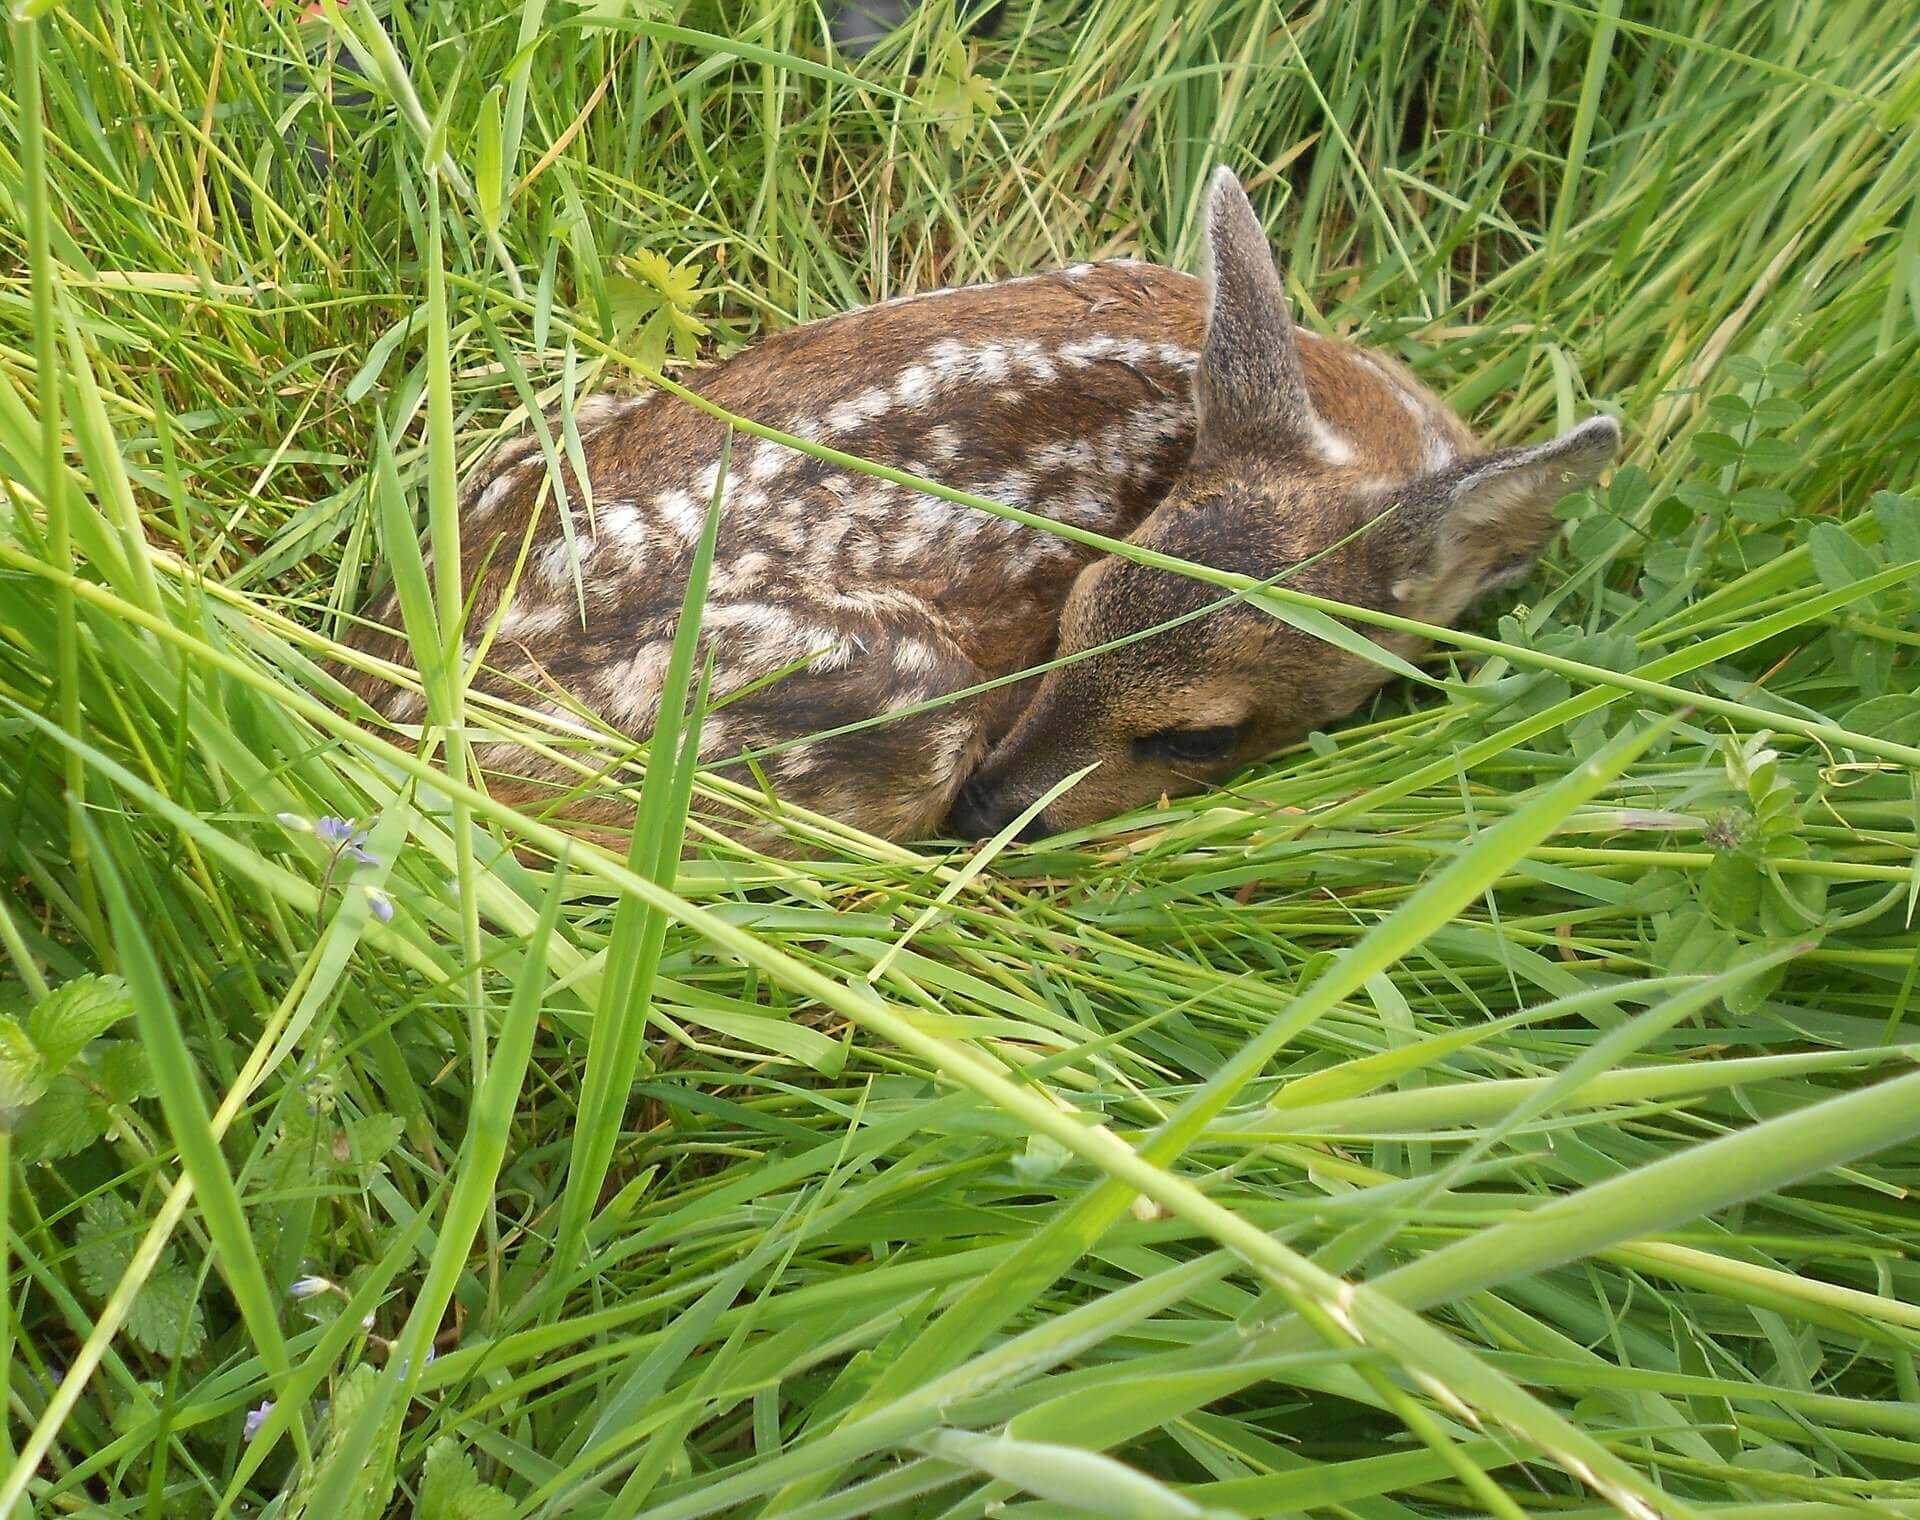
801	760
620	522
915	385
605	406
681	512
497	490
1333	448
1013	489
869	406
634	692
716	739
557	560
528	620
762	462
1075	454
912	657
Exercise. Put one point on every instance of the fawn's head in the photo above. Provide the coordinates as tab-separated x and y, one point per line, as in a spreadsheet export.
1269	488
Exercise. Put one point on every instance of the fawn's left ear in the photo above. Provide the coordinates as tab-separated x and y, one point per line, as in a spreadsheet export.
1248	384
1490	517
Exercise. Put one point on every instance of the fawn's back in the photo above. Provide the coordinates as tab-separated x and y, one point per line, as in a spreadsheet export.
1068	394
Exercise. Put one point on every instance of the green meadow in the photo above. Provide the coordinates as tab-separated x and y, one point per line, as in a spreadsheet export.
1505	1104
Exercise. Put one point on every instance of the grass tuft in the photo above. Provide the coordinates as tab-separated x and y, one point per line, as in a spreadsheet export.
1505	1105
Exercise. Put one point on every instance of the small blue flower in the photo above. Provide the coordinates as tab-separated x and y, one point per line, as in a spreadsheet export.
255	1419
345	839
381	904
311	1287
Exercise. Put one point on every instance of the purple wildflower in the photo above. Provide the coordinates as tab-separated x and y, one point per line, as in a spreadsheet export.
255	1419
381	904
345	839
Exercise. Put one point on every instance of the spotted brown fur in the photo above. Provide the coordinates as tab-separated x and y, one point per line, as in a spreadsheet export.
1068	394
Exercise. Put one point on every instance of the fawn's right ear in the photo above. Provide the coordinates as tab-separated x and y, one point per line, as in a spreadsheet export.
1480	524
1248	384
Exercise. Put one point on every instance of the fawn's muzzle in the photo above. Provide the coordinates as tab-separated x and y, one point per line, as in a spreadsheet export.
979	814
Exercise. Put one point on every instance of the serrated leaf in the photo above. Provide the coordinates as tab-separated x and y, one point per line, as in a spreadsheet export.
369	1139
121	1067
72	1014
67	1119
450	1489
23	1073
362	1476
166	1317
652	307
104	1243
445	1476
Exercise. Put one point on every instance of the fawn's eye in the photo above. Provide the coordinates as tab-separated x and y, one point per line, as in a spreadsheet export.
1197	745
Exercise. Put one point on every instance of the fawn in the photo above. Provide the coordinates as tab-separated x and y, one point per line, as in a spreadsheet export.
1182	414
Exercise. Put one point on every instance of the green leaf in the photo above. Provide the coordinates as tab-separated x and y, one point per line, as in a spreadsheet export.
1732	887
166	1316
1840	560
1086	1482
1899	519
1895	717
353	1470
489	182
1761	505
104	1243
67	1018
1777	412
1771	456
121	1067
367	1140
1718	450
1730	411
23	1070
450	1489
1690	944
66	1120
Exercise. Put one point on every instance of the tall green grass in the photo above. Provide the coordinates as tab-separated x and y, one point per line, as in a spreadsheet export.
1503	1106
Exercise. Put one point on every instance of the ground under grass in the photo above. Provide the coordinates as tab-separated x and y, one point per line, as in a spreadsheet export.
1503	1106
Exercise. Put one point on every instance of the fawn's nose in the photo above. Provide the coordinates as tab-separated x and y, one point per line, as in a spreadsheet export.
978	814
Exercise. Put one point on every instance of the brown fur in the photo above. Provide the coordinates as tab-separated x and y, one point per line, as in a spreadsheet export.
1302	444
1068	394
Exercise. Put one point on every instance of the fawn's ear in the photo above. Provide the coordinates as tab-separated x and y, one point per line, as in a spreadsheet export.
1487	519
1248	382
